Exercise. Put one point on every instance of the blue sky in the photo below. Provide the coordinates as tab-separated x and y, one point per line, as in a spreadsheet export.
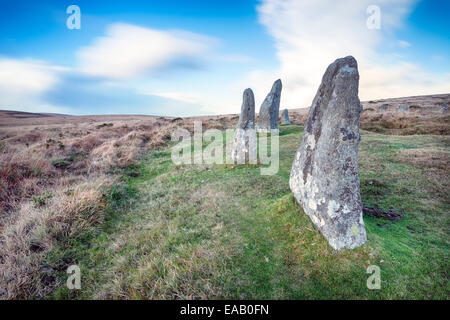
183	58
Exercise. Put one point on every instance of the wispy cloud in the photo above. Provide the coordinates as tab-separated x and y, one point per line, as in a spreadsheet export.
309	35
106	74
198	103
128	51
404	44
29	75
24	82
179	96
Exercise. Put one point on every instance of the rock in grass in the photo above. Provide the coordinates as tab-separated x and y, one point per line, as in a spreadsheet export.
324	175
244	147
285	117
403	108
268	113
384	107
444	107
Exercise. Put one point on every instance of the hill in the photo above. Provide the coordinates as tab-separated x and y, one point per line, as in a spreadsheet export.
401	116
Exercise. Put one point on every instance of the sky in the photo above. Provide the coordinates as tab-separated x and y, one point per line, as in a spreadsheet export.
182	58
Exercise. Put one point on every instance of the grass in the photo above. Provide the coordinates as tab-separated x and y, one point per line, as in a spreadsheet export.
224	231
74	160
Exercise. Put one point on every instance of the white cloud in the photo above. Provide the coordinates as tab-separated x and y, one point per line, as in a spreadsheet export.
403	79
309	35
404	44
211	102
260	81
128	51
26	75
24	82
179	96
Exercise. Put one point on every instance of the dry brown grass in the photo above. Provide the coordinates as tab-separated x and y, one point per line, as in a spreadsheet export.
434	162
52	171
424	115
34	157
31	233
426	158
410	124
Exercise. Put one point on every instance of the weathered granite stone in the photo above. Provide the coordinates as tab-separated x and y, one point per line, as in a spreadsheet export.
403	108
324	175
244	147
268	113
285	117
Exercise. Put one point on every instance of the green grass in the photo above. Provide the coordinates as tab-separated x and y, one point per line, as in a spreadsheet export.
225	231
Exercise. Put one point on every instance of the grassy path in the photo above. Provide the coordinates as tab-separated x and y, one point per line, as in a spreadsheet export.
227	232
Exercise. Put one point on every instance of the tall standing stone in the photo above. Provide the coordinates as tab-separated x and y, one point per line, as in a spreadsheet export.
285	117
269	112
244	147
324	175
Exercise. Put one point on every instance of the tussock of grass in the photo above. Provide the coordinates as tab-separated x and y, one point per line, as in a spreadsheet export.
31	233
36	158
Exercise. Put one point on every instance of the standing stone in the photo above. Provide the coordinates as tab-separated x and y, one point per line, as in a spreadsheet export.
285	117
244	147
268	114
324	175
